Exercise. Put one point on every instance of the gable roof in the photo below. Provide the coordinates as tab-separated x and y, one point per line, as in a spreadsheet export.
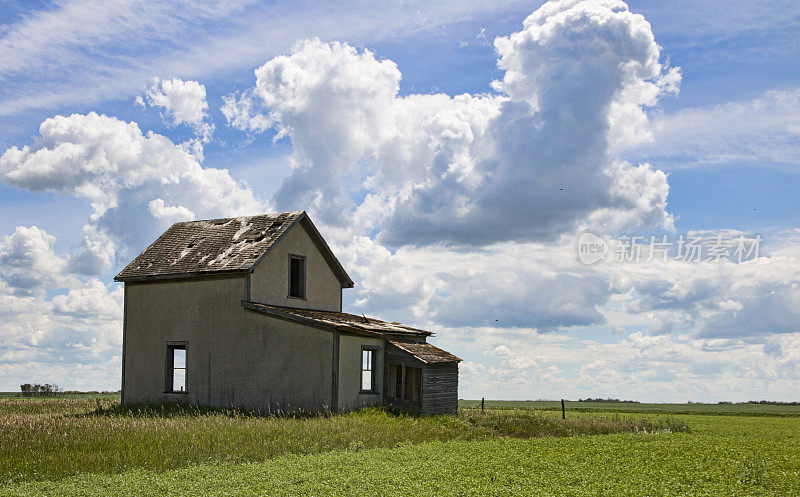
219	246
338	321
425	352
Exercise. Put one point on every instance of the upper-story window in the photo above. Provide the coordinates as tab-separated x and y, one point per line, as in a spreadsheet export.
297	276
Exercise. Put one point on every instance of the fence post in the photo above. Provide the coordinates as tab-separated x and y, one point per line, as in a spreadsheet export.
563	411
482	400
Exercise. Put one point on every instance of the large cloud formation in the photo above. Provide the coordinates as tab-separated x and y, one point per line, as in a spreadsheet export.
510	171
528	162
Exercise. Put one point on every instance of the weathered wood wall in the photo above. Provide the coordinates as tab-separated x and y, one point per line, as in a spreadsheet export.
440	389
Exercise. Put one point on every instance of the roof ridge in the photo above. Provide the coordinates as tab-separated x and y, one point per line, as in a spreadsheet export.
293	213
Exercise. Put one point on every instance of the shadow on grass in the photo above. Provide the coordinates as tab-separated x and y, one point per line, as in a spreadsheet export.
175	410
171	410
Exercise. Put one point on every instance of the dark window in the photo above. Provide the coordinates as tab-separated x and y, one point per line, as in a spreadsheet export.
297	276
368	368
405	382
396	381
413	380
176	368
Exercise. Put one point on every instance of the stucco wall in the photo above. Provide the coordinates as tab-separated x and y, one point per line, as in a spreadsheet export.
350	372
269	282
234	356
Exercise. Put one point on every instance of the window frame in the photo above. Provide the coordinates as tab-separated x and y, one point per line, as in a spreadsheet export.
169	369
303	270
373	369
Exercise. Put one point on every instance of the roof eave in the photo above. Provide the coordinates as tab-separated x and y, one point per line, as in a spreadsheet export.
415	356
326	251
353	329
403	334
313	323
319	241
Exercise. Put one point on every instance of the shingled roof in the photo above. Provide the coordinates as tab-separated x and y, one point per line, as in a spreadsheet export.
339	321
217	246
426	352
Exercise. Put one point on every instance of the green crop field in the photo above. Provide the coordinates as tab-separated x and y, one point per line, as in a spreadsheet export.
87	446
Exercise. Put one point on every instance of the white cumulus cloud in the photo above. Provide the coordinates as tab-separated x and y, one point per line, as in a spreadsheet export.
184	103
28	263
123	173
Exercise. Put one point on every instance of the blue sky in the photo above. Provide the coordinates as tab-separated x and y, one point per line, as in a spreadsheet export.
723	58
726	143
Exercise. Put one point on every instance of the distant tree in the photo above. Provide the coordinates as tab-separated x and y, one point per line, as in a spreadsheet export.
36	389
25	388
772	403
609	400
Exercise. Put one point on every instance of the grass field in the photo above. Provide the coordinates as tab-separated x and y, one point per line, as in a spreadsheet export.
66	395
70	447
44	439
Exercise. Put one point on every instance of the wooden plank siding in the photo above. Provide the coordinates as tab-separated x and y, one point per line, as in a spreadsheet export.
440	389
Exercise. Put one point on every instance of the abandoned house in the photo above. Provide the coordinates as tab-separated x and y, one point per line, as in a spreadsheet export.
247	312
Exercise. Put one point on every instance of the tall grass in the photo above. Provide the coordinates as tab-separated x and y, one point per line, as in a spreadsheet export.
526	423
53	438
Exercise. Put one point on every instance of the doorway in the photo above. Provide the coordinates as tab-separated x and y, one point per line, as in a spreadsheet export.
405	382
